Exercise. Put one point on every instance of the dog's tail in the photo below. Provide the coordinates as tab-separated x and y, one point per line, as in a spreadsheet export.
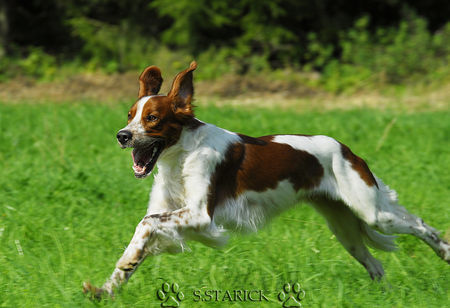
377	240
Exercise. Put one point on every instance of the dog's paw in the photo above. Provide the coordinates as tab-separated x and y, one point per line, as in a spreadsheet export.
93	292
375	269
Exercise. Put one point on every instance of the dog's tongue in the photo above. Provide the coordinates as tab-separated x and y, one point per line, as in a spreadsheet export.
136	167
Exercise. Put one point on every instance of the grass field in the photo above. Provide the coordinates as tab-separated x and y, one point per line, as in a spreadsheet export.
69	204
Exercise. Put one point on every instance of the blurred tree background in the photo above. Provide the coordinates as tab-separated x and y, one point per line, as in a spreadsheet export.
378	41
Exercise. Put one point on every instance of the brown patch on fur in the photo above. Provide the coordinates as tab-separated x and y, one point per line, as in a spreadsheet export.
152	216
182	91
138	255
165	125
193	123
93	291
167	216
359	165
146	234
150	81
252	140
132	112
180	212
162	217
258	164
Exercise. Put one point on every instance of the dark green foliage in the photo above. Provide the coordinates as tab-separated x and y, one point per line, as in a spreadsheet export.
389	55
374	41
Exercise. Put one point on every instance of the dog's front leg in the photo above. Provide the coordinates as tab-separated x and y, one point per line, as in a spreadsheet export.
155	234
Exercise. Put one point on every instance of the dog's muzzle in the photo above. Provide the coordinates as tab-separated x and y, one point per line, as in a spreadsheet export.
124	136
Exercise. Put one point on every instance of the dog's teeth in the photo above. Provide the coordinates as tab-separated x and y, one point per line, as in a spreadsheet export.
138	169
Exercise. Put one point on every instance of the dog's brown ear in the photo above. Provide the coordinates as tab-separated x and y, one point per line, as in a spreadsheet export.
150	81
182	91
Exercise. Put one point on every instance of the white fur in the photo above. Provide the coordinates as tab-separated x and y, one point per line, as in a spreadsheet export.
340	181
135	126
185	169
252	210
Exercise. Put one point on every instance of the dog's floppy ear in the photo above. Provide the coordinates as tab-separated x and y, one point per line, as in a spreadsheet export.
182	91
150	81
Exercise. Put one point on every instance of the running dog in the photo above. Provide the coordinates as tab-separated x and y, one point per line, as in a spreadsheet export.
211	180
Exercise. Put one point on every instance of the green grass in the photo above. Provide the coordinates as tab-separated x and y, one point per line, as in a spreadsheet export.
68	195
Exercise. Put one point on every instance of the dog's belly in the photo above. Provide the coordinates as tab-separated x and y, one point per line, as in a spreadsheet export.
252	209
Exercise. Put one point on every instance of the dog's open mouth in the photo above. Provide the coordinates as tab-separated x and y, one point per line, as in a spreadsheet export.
144	158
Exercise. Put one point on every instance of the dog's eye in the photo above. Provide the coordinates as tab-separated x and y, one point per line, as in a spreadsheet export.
151	118
129	115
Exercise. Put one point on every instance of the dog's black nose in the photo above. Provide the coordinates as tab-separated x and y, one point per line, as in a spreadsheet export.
123	136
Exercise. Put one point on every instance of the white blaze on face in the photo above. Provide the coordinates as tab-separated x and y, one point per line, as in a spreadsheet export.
135	126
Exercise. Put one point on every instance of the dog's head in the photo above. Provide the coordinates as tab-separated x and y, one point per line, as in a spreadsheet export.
155	121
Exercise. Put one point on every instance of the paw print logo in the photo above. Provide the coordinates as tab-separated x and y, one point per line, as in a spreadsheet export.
170	295
291	295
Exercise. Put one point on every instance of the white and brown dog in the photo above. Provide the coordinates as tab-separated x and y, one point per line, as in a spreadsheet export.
211	180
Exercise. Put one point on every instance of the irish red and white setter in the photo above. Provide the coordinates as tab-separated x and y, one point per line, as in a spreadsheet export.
211	181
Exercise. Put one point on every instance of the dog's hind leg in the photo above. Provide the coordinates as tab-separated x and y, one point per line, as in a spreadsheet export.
385	214
377	205
351	233
396	219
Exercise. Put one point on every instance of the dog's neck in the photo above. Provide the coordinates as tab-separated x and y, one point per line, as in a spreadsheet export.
192	140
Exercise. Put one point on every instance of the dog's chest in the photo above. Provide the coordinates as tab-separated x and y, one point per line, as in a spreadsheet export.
172	183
